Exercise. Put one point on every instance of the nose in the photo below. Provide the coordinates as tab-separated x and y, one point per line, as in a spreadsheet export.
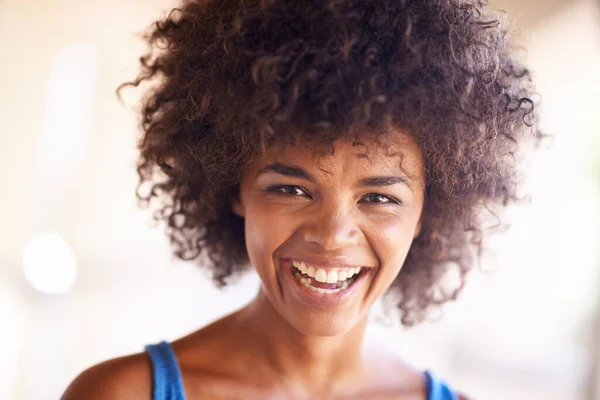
333	227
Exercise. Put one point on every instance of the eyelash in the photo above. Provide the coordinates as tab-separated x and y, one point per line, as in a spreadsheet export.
277	189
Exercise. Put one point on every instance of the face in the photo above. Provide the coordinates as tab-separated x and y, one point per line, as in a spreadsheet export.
328	234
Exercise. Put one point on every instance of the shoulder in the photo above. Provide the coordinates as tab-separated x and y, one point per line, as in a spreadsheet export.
387	372
128	377
410	381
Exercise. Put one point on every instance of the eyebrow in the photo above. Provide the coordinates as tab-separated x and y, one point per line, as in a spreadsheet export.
378	181
294	171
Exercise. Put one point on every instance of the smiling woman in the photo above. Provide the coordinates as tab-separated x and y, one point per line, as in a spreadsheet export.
343	150
329	237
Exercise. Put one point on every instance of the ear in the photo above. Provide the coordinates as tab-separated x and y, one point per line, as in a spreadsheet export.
237	206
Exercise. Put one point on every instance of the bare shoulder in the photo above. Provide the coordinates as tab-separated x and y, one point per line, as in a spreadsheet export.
410	382
387	372
128	377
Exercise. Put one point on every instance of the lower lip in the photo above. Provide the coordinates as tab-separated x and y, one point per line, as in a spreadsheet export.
318	299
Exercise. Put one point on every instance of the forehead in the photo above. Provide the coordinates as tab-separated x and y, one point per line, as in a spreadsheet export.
395	151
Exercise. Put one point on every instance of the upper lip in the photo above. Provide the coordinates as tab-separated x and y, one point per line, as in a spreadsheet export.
324	262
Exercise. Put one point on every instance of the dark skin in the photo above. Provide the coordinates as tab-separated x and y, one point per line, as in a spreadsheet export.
350	205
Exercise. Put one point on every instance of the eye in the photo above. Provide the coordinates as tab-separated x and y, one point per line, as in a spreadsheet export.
378	198
290	190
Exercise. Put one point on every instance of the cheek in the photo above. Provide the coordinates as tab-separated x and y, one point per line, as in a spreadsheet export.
391	241
265	232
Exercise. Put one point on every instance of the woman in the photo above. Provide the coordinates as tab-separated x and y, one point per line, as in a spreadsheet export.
344	150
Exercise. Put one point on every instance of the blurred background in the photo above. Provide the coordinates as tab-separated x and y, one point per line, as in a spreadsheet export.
84	277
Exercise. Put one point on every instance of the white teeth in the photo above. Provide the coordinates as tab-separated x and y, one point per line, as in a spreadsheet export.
353	271
321	276
322	291
300	265
332	276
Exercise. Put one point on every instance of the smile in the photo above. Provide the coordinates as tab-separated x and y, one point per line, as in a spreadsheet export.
323	281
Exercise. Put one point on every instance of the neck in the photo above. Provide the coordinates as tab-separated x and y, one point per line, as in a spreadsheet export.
315	362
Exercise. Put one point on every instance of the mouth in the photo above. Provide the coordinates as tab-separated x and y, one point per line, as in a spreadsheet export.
325	281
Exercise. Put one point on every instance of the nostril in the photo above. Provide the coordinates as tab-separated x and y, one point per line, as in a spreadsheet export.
331	236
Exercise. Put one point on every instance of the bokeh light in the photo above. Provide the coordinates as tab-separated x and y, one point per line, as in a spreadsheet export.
49	264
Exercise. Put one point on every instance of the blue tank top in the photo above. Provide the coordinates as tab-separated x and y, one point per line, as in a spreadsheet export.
167	383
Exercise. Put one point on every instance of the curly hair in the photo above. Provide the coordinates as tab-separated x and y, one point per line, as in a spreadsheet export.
229	78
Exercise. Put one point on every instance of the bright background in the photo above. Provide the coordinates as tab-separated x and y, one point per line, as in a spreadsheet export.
84	278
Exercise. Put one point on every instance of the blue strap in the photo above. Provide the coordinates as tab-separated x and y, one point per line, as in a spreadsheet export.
438	389
167	383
